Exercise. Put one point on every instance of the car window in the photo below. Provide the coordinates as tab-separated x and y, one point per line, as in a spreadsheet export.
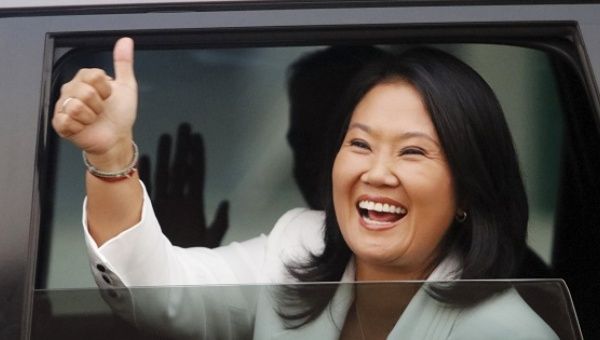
236	99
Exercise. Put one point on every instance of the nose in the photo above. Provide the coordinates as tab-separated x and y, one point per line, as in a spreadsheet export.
380	173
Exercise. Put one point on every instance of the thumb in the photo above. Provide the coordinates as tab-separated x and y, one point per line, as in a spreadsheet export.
123	60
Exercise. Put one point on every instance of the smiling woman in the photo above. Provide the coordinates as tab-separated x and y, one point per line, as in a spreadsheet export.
424	185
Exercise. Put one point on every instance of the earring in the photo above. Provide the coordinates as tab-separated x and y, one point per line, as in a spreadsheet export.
461	216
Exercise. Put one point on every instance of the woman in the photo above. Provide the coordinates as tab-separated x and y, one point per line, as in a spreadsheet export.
424	185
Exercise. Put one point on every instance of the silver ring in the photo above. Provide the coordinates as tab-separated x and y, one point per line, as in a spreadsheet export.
63	107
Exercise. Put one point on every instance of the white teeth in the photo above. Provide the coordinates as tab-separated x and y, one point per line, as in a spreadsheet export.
381	207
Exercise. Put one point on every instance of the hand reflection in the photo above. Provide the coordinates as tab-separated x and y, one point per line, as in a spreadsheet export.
178	193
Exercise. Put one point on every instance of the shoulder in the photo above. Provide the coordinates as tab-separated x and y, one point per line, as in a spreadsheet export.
295	236
299	227
503	316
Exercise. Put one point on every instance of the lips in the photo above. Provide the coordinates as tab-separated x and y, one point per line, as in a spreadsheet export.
379	213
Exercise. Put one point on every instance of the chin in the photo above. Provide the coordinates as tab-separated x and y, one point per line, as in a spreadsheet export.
375	255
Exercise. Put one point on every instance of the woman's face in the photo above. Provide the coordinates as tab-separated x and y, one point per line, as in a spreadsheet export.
392	187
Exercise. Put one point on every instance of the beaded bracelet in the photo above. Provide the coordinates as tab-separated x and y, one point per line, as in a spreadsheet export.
115	175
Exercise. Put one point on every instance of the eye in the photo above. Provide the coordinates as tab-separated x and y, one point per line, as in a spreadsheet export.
412	150
359	143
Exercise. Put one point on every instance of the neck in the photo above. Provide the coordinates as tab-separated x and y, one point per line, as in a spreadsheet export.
387	298
370	272
378	306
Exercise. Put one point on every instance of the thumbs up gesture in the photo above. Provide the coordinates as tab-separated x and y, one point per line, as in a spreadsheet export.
96	112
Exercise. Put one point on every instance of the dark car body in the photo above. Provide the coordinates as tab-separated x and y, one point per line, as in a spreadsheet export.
32	39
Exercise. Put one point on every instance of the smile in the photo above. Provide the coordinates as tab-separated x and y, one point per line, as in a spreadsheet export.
377	215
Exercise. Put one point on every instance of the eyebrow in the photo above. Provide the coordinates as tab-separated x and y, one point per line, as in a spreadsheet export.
405	135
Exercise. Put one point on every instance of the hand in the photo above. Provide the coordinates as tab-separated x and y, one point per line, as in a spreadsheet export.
97	113
178	196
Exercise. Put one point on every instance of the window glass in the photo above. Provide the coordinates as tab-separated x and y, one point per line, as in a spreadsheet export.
239	311
236	99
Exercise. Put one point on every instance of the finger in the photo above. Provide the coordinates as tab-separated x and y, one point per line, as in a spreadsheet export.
123	61
84	93
197	166
161	175
65	126
179	172
78	111
219	226
97	79
61	104
144	172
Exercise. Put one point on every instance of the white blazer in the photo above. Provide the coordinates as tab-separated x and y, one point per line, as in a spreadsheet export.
143	257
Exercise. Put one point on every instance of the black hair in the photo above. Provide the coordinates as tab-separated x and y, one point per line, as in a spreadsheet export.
315	83
479	150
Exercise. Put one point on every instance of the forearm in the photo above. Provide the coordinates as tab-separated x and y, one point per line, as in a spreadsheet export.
112	206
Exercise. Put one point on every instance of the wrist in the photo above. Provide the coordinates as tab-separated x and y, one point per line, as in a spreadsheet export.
121	157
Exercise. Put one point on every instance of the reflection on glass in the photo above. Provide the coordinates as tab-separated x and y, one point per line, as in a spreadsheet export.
393	310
